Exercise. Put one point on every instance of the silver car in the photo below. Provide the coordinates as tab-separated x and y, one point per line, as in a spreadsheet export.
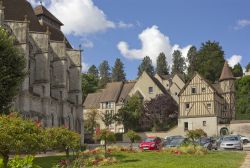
231	142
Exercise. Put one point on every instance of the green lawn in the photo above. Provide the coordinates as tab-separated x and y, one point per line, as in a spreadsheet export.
162	160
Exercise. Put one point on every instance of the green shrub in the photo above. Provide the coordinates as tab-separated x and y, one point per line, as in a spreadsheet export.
26	162
119	136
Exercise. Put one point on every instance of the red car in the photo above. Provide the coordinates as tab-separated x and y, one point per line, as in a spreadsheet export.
150	143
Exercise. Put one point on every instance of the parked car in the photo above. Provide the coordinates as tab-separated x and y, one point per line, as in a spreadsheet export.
176	142
150	143
208	142
168	139
231	142
244	139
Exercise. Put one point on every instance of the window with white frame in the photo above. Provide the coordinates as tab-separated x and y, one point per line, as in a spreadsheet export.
150	89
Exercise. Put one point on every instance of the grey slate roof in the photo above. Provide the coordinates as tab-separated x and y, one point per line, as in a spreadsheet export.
92	100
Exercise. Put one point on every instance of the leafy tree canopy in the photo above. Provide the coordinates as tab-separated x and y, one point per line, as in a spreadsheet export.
242	86
248	67
18	135
63	139
89	84
237	70
159	113
210	60
162	67
147	66
130	113
118	73
12	71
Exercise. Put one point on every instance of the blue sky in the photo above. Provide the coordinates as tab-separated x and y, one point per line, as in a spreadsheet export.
100	25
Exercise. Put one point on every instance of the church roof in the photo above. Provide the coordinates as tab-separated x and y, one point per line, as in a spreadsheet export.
41	10
226	72
19	9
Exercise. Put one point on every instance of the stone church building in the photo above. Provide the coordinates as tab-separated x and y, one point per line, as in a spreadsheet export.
51	92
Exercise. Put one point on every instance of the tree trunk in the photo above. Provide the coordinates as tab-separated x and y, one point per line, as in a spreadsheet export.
67	152
5	161
105	147
131	145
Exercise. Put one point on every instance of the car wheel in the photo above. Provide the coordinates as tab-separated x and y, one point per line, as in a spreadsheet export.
245	141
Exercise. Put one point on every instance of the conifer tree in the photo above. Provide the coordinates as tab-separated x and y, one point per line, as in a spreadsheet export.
104	71
162	65
210	60
191	57
147	66
93	71
179	64
118	73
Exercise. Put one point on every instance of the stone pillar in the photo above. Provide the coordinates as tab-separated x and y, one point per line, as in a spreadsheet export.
1	13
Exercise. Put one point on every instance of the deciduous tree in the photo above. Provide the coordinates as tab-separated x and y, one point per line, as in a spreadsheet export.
89	84
106	136
130	113
90	121
242	87
12	70
159	113
133	137
237	70
63	139
19	136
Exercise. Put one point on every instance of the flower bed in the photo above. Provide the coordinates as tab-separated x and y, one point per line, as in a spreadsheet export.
187	150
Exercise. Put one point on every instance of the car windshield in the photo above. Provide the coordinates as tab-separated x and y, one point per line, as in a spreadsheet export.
204	140
232	138
176	142
149	140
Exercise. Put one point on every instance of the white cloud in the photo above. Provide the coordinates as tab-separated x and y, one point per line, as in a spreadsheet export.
80	17
153	42
235	59
121	24
85	67
242	23
87	43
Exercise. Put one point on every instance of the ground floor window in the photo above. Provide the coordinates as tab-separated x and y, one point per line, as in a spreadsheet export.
185	126
204	123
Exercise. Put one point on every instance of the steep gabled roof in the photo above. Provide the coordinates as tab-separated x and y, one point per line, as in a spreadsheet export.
92	100
42	11
19	9
215	88
226	72
127	87
158	84
111	92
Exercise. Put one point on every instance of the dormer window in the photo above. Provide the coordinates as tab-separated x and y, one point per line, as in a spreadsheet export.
150	90
193	90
